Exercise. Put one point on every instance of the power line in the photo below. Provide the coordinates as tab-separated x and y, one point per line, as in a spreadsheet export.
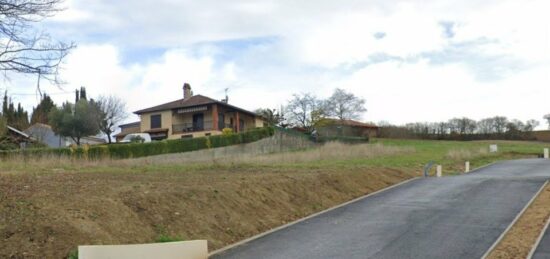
28	94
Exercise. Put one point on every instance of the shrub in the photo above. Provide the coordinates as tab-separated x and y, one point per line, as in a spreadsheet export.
73	254
162	238
227	131
134	150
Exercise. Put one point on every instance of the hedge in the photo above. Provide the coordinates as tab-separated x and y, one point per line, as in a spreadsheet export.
344	139
134	150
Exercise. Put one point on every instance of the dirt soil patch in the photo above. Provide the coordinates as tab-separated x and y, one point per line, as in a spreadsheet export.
519	241
46	215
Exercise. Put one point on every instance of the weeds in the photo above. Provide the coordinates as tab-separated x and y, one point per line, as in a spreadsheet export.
163	238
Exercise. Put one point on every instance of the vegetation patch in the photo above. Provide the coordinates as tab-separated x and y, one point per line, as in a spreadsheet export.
134	150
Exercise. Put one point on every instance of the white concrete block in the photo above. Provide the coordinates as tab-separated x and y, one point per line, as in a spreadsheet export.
546	153
493	148
439	171
467	167
197	249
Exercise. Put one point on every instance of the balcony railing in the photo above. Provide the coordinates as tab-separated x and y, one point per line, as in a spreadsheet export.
196	127
192	127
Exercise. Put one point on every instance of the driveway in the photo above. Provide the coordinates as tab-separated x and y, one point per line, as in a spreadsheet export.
543	249
449	217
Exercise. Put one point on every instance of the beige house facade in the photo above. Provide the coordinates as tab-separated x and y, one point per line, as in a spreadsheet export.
195	116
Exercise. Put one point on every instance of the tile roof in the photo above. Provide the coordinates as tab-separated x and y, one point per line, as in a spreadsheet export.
350	123
195	100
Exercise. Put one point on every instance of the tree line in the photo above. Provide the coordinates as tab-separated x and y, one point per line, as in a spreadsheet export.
498	127
81	118
306	111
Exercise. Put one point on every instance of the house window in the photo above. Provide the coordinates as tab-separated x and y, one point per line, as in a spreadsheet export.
241	125
156	121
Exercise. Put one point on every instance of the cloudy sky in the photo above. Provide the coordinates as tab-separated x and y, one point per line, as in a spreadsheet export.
411	60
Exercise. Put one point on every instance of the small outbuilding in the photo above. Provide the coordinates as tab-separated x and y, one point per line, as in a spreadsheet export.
346	128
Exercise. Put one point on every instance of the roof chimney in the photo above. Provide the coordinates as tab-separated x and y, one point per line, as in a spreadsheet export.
187	93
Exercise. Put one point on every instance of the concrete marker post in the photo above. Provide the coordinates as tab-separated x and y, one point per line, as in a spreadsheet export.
546	153
439	170
467	167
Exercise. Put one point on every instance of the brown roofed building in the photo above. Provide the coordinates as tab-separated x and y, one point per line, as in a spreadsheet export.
349	128
193	116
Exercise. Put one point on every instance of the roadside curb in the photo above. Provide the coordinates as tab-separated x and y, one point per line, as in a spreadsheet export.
539	239
514	221
223	249
475	170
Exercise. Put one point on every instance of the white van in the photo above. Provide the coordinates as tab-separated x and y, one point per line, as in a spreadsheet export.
137	137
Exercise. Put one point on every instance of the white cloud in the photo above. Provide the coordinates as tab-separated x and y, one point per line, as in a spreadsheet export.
317	46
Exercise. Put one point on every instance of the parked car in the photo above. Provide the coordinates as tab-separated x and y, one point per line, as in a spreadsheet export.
137	137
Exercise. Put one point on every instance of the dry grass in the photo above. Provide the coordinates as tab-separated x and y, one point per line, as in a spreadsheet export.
465	154
522	236
329	151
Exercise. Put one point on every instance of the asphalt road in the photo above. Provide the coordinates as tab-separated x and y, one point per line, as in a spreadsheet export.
543	249
449	217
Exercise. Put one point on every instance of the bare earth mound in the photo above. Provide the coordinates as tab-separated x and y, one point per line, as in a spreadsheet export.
49	214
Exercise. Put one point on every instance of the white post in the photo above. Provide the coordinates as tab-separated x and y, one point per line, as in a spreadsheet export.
546	153
439	169
467	167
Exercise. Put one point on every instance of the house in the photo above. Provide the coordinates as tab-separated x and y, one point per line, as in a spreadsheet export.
195	116
129	128
349	128
18	137
43	133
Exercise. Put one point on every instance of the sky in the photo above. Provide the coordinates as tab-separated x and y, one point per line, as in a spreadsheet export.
410	60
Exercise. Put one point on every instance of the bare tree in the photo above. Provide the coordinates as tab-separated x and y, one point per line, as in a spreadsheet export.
530	125
23	50
547	118
112	111
500	123
486	126
344	105
303	110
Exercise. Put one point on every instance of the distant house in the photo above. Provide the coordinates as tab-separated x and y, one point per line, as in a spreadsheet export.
18	137
195	116
43	133
349	128
129	128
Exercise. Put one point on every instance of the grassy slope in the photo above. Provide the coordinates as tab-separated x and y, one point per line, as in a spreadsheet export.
49	207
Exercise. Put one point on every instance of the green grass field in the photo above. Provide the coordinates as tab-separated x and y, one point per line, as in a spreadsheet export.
380	153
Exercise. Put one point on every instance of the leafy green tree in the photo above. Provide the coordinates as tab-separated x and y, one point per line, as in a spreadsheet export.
15	117
75	120
42	110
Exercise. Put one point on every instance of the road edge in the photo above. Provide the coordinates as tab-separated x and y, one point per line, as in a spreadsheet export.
514	221
477	169
539	239
223	249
